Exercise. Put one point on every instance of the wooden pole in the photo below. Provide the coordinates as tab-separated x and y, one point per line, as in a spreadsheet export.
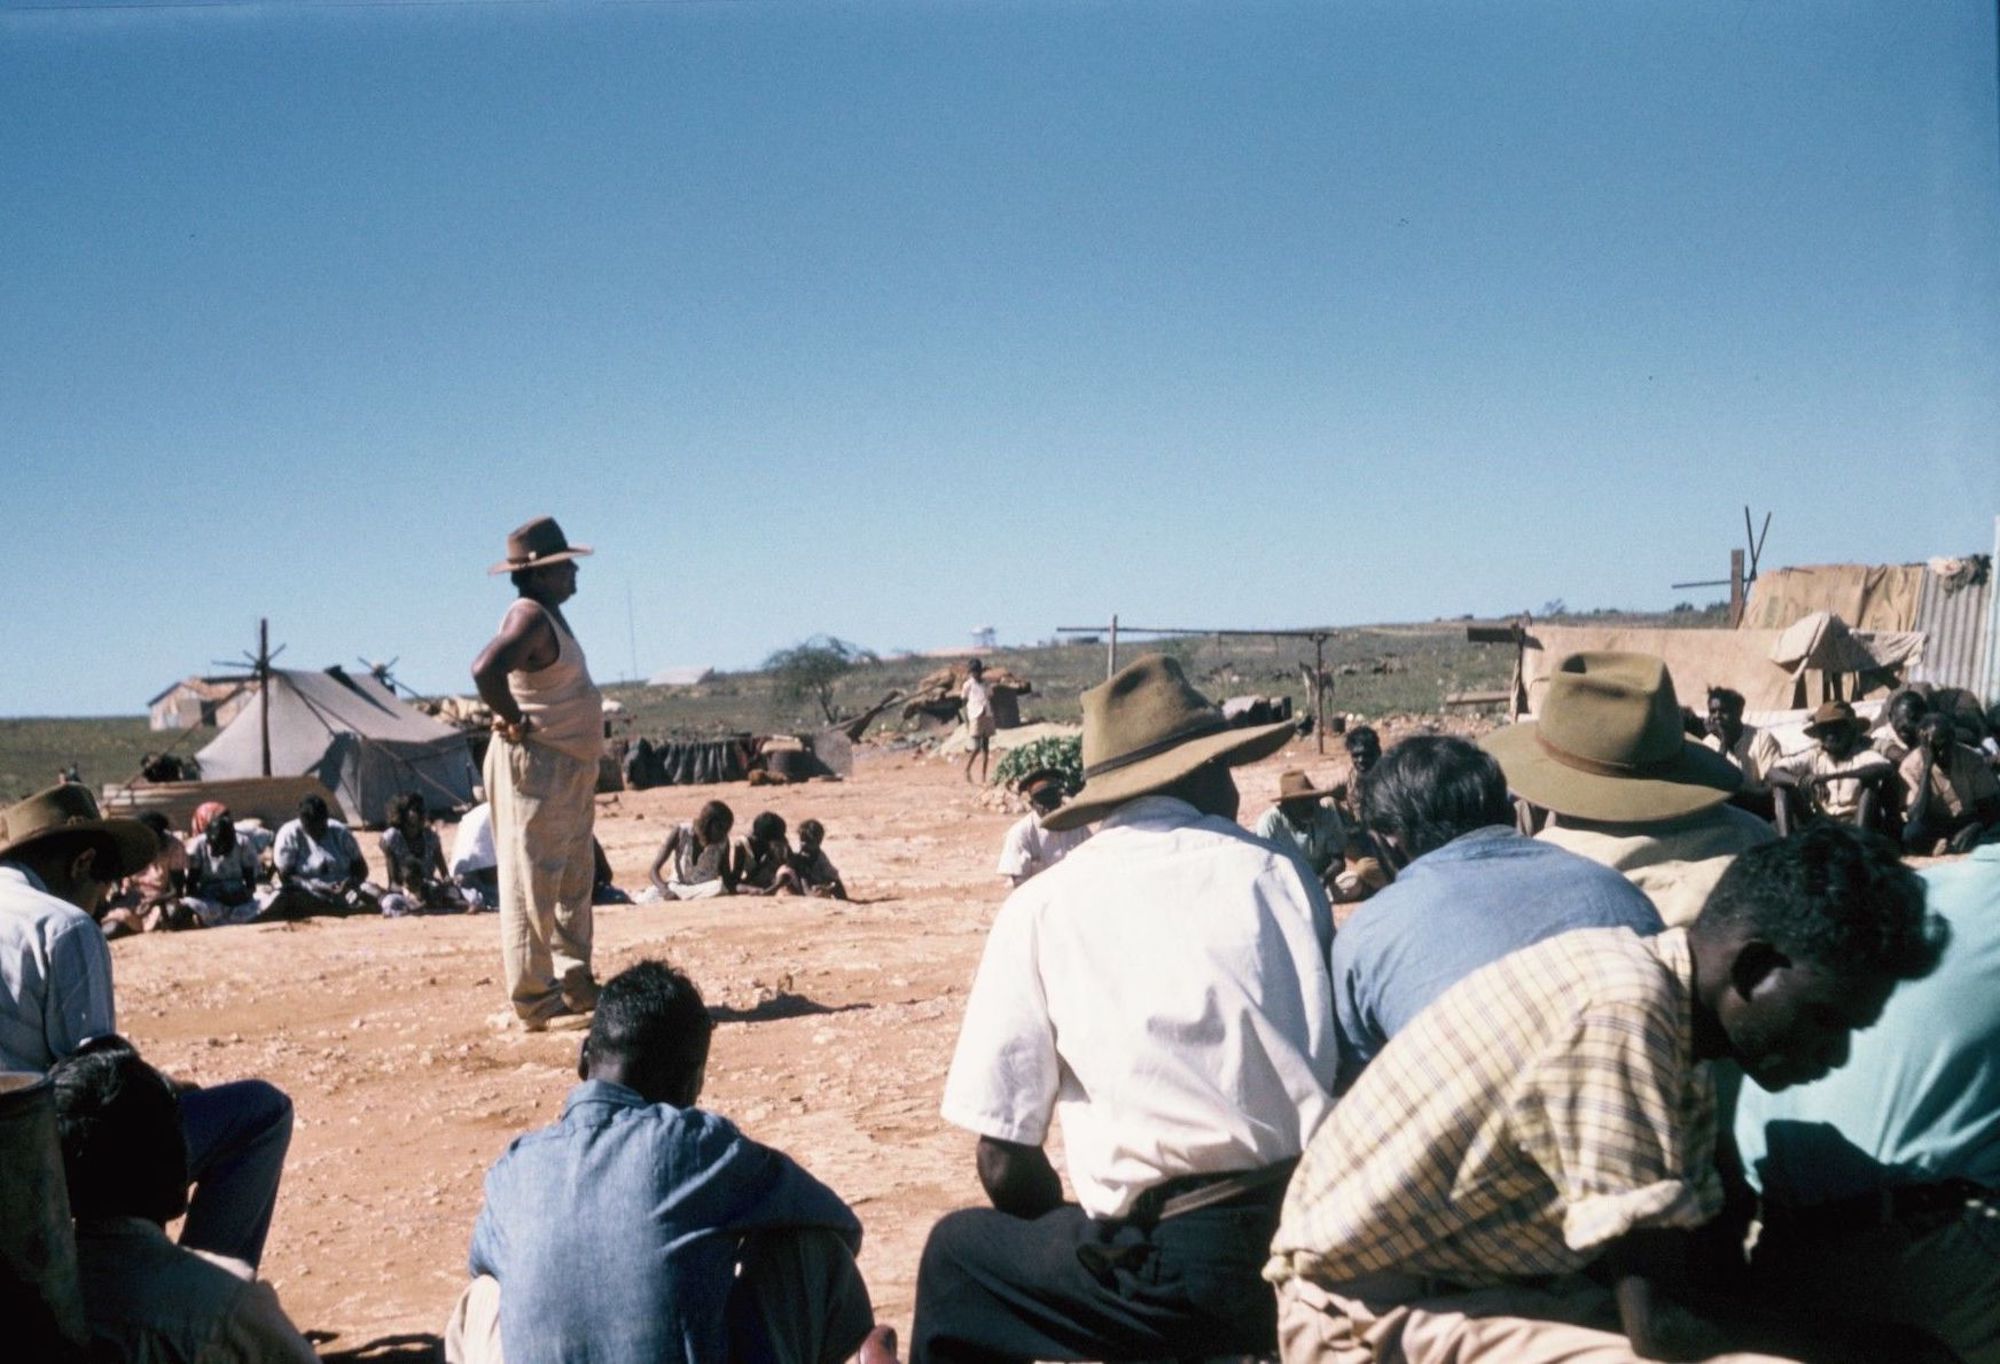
1736	602
1319	691
1111	665
264	688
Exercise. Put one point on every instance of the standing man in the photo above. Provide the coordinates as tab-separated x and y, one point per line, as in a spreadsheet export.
1164	989
979	720
541	776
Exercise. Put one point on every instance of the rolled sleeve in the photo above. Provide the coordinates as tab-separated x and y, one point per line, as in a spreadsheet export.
1005	1074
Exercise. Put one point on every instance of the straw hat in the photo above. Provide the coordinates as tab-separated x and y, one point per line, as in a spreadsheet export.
1609	746
1147	728
541	541
71	808
1831	715
1293	784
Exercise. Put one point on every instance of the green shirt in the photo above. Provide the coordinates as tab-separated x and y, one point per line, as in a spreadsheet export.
1319	842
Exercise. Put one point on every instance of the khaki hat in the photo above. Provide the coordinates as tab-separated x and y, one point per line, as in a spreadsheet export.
1293	784
1831	715
1147	728
541	541
1608	745
71	808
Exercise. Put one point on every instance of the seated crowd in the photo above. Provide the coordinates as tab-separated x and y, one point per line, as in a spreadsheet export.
1601	1067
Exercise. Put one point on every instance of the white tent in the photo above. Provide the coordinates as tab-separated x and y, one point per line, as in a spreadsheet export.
363	743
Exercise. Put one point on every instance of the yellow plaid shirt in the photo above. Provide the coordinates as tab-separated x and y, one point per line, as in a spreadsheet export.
1539	1109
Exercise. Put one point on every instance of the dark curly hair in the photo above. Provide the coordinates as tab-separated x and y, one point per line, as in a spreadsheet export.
1836	897
651	1017
1430	789
120	1128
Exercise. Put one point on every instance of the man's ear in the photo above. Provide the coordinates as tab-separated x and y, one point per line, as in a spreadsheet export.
83	867
1753	963
583	1059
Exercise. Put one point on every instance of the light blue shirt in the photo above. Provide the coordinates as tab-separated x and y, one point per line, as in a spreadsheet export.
1458	908
614	1233
55	974
1919	1098
328	858
1318	842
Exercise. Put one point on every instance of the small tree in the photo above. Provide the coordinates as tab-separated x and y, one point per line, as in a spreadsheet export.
810	669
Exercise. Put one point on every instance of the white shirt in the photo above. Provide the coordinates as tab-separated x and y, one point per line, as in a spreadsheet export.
978	699
472	843
55	975
1029	848
1165	989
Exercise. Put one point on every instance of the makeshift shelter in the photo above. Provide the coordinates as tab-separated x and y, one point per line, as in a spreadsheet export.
363	743
939	697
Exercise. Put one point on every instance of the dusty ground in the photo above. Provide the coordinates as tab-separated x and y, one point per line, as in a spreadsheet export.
383	1033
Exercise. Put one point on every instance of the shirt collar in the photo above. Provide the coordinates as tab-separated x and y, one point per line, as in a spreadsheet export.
604	1094
14	871
1152	812
1677	957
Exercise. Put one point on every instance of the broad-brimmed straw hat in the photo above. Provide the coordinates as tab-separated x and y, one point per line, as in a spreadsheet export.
541	541
1609	746
1145	729
1294	784
71	808
1831	715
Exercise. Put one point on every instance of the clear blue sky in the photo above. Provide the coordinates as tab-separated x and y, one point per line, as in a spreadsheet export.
896	319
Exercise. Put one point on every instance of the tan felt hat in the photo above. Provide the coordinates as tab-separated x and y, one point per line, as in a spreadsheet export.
1609	746
541	541
1146	728
71	808
1294	784
1831	715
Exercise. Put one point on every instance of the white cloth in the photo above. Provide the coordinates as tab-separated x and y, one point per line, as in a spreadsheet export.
472	842
1029	848
978	700
1165	989
55	974
1753	753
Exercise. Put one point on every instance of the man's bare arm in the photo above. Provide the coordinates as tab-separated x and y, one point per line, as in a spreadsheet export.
1018	1179
526	643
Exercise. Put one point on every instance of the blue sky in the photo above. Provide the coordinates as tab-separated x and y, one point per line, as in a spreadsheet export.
896	319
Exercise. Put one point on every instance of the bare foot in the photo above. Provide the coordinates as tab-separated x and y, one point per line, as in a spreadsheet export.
879	1347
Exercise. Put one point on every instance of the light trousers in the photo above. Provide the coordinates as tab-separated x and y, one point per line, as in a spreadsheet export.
1389	1319
543	808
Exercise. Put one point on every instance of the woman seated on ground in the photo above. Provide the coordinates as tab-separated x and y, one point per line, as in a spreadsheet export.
817	875
223	873
153	900
763	859
698	853
413	857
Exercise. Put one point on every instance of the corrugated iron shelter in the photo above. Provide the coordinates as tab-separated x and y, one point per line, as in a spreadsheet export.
364	744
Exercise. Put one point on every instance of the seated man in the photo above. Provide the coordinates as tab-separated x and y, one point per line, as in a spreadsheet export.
126	1165
154	899
1030	849
57	858
1749	749
1165	989
1470	889
1518	1175
1623	785
1881	1183
475	868
816	873
1896	735
1303	824
320	867
1839	777
1954	800
699	853
640	1228
763	859
413	858
1362	871
222	874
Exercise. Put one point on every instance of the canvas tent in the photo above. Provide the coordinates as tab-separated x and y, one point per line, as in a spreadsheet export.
365	744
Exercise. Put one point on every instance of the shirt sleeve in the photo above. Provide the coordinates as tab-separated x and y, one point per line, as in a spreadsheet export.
79	1000
1005	1072
1622	1125
1014	851
288	855
777	1193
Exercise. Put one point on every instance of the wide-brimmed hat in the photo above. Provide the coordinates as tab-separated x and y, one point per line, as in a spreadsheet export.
71	808
1294	784
1608	745
541	541
1147	728
1831	715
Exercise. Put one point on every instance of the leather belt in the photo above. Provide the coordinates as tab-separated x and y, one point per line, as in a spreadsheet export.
1190	1193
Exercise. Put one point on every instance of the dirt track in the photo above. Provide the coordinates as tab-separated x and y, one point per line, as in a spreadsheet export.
383	1032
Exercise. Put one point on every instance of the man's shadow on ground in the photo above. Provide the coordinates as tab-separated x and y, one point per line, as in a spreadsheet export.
414	1348
779	1006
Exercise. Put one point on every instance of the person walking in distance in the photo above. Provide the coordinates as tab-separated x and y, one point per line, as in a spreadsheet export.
541	775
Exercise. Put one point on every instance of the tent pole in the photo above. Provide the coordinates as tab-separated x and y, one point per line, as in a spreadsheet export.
264	688
1319	691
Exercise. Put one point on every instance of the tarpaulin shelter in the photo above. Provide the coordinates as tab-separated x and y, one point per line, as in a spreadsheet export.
364	743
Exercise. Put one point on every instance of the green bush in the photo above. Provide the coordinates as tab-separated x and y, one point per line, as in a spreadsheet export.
1064	753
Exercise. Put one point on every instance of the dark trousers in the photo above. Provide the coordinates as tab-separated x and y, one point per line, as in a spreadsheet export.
992	1287
237	1135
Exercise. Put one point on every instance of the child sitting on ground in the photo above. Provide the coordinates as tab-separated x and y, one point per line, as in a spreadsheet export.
816	875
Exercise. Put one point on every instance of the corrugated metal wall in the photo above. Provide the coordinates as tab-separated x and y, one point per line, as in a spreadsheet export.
1956	626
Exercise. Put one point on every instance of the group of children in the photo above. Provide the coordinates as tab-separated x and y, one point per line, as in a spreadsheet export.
699	860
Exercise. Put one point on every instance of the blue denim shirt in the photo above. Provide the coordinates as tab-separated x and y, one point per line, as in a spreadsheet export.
614	1234
1455	909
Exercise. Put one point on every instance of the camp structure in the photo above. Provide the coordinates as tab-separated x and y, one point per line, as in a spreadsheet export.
364	744
193	702
937	700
